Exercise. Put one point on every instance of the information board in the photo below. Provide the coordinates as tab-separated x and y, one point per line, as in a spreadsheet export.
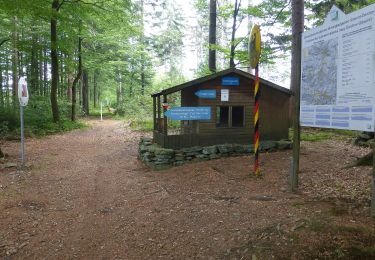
338	72
189	113
230	81
206	93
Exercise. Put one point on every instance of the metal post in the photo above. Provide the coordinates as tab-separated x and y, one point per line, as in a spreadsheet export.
101	111
22	138
293	183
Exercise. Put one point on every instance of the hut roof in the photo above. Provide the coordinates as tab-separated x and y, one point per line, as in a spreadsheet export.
220	74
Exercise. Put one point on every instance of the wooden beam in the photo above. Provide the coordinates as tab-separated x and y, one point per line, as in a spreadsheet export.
154	111
165	119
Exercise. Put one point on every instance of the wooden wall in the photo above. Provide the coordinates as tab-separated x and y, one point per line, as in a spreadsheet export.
274	112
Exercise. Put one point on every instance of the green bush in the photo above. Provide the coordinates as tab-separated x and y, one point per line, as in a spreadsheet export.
37	118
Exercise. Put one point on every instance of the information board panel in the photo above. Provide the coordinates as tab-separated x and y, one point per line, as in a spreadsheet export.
189	113
338	72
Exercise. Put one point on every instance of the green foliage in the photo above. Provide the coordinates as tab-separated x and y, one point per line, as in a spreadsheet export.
37	118
321	134
320	8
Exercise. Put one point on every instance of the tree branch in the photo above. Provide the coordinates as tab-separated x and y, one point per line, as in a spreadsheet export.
4	41
279	13
95	4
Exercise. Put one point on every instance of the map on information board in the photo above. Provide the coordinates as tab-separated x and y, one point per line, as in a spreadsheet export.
338	72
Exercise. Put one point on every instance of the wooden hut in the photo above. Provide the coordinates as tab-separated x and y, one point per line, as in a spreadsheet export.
227	98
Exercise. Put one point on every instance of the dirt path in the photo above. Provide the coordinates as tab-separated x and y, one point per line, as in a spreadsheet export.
86	196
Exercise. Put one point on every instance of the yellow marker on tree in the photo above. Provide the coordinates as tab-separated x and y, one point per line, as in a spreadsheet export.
254	56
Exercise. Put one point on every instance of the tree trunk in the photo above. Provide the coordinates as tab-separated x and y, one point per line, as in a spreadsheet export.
54	63
1	83
40	60
297	29
70	85
1	153
14	62
76	79
45	73
34	73
85	92
95	87
212	37
249	27
7	94
234	25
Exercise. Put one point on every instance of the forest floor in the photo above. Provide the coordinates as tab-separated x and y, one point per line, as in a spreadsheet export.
85	195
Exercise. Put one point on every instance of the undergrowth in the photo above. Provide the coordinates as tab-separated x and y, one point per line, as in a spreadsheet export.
37	118
321	134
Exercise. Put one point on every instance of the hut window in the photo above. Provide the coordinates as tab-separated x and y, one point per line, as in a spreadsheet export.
237	116
222	116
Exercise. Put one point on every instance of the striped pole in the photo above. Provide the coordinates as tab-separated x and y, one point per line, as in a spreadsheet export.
256	122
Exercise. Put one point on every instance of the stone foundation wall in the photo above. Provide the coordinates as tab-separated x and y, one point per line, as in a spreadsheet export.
160	158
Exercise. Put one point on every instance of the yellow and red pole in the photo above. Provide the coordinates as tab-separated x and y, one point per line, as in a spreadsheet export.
256	122
254	56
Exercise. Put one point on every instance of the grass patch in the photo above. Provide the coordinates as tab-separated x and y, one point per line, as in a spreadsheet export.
320	134
141	125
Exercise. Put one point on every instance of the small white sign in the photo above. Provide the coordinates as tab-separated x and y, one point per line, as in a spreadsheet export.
225	95
23	93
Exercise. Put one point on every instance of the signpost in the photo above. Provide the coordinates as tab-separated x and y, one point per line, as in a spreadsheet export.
206	93
337	76
338	82
189	113
254	55
23	97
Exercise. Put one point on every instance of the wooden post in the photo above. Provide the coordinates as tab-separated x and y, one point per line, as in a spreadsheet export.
293	184
154	111
373	184
159	115
256	122
165	119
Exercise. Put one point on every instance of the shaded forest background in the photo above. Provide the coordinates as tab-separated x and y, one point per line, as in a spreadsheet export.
76	54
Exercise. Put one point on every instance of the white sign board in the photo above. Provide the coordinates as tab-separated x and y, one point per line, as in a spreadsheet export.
225	95
23	93
338	72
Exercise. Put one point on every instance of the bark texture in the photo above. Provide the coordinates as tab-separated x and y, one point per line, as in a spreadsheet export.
297	29
54	63
212	37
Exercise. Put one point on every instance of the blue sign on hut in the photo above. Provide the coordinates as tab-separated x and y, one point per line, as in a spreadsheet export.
218	109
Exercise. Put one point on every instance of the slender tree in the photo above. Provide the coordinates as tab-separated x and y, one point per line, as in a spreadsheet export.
297	29
54	61
212	37
76	79
234	29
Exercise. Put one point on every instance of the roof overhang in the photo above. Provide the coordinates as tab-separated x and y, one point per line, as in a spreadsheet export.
219	74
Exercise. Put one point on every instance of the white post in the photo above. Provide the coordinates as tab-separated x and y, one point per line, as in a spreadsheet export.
101	111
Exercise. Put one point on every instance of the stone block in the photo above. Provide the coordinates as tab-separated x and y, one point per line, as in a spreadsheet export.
284	145
209	149
248	148
238	148
267	145
163	151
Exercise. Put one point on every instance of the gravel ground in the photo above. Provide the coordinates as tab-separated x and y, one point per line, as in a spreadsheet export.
85	195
